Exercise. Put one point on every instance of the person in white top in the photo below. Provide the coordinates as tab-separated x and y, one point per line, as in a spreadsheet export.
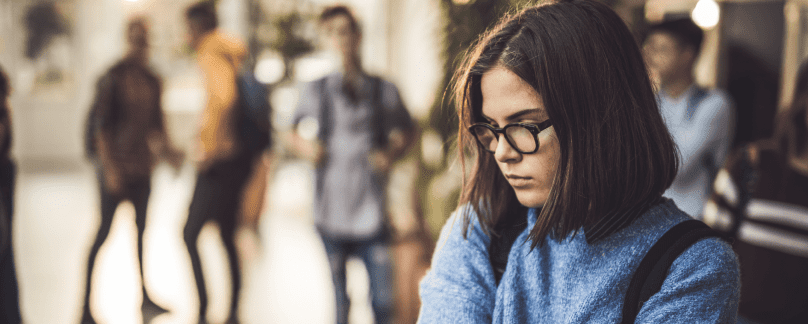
700	120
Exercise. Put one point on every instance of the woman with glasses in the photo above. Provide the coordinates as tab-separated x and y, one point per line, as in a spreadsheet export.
564	196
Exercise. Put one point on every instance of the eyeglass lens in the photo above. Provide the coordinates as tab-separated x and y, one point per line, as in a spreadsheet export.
519	136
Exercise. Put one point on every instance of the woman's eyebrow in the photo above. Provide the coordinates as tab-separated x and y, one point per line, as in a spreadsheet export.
517	115
520	114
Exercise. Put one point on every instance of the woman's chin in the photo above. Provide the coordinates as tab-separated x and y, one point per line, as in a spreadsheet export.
531	200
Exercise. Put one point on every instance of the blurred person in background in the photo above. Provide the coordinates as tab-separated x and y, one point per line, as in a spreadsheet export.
563	204
223	165
126	137
9	293
362	127
700	120
760	197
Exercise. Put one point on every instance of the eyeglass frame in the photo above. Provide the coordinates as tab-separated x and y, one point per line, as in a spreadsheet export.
534	129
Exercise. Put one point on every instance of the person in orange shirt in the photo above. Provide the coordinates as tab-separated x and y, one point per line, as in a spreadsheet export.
223	167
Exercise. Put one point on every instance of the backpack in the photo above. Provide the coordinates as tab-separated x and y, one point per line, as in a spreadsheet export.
699	94
252	113
653	269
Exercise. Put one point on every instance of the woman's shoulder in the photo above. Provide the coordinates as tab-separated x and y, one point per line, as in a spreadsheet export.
462	241
711	257
461	274
709	254
707	270
463	225
654	222
660	219
664	216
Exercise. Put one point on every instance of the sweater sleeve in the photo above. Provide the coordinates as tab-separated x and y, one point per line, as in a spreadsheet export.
702	286
459	288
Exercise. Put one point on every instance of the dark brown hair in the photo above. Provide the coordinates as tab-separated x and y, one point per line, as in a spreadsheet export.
203	16
137	32
334	11
683	30
616	154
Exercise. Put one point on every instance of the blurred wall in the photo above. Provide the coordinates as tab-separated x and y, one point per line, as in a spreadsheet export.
49	117
415	55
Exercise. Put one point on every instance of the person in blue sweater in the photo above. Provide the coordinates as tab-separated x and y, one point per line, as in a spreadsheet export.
570	158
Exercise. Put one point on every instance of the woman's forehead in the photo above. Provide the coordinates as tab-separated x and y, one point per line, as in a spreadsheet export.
504	94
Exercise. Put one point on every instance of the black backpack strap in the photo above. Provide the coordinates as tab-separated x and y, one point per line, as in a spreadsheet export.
324	115
653	268
694	101
323	122
379	134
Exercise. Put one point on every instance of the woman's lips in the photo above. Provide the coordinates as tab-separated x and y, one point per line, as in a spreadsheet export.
518	181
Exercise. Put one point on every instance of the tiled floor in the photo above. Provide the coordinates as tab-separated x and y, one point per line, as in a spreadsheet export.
285	271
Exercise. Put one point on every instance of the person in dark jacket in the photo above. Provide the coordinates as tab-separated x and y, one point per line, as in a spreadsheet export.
9	294
127	139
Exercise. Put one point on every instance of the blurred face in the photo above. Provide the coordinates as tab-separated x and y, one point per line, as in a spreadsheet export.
509	99
194	34
666	59
137	35
340	37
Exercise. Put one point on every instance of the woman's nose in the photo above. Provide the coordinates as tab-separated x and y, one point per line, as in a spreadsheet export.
505	152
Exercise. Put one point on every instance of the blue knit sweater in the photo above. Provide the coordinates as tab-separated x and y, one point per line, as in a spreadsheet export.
571	281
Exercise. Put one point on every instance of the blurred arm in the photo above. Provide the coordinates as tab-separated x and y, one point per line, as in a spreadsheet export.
308	149
303	139
401	130
103	134
159	141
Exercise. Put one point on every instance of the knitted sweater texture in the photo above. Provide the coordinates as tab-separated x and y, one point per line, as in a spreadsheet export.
571	281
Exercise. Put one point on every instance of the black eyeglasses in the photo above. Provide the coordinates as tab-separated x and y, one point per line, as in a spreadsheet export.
522	137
